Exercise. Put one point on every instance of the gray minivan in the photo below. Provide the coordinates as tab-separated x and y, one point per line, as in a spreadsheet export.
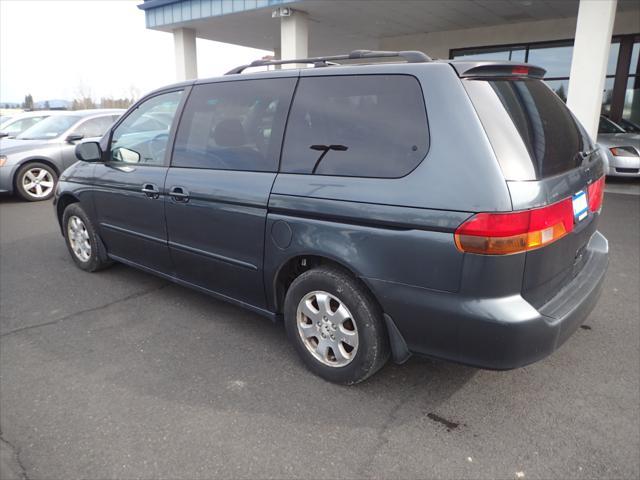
438	208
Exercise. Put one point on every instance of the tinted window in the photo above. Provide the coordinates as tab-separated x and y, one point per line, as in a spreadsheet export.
365	126
234	125
94	127
137	141
549	133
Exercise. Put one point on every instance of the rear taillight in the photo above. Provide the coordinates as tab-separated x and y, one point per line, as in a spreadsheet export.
514	232
596	194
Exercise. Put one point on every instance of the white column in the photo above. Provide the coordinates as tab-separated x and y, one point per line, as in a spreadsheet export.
184	40
589	63
294	37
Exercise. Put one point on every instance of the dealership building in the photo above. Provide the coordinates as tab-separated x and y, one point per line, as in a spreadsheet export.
590	48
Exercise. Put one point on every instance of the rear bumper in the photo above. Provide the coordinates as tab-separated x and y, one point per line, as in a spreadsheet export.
494	333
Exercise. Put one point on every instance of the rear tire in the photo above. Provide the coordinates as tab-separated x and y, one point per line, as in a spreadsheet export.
84	244
335	325
36	181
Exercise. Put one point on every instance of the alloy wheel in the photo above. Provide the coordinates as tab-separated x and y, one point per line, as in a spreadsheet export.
327	328
38	182
79	238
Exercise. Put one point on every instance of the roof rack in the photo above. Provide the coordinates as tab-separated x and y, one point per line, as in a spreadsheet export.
411	56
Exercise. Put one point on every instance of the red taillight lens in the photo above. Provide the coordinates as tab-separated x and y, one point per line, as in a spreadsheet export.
596	194
513	232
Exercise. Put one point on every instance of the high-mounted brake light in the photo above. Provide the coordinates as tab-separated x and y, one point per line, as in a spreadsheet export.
514	232
596	194
520	70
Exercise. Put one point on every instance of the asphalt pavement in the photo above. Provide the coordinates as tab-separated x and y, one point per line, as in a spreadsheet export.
120	374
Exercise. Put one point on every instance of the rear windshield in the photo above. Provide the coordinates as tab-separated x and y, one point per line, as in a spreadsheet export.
533	133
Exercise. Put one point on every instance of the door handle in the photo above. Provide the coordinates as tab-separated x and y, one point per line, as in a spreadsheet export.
151	190
179	194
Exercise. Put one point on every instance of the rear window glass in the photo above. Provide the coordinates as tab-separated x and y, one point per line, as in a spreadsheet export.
551	138
363	126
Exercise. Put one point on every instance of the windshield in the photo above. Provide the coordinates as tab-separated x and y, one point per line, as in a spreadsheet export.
530	128
607	126
49	128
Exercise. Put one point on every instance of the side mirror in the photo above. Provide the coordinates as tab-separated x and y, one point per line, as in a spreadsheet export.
3	134
89	152
74	137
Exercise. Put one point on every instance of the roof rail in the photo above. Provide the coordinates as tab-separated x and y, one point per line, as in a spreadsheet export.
411	56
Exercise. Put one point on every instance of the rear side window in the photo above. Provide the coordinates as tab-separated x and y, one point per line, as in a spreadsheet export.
363	126
234	125
546	139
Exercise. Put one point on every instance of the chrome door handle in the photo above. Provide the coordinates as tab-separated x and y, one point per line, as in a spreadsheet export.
151	190
179	194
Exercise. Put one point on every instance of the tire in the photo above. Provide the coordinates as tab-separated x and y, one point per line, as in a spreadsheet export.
313	307
84	244
36	181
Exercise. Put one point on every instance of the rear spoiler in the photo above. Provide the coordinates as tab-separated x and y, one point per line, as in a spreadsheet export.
467	69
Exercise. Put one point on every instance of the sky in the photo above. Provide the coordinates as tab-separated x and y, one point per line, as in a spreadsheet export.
57	49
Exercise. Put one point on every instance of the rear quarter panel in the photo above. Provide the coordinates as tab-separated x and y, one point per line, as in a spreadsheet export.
396	230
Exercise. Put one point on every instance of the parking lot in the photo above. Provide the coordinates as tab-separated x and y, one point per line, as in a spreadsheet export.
121	374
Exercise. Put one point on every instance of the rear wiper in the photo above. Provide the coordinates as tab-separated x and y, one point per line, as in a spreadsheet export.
325	149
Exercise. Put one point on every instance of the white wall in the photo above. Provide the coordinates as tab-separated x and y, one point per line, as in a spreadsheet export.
438	44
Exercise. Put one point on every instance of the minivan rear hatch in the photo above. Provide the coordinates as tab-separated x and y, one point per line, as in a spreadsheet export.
546	157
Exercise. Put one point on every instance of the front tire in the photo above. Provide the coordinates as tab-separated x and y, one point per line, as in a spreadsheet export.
36	181
84	244
335	325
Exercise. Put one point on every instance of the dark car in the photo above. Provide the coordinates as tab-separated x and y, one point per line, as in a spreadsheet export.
438	208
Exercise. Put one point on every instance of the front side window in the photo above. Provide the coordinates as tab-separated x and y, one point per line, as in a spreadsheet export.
362	126
138	140
234	125
94	127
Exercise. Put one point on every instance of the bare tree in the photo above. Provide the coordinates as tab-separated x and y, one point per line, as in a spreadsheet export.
83	98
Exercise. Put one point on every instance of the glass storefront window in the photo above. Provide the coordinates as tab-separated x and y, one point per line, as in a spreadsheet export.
555	60
635	54
631	108
510	54
607	95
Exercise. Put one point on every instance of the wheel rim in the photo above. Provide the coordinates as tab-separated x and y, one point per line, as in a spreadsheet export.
327	329
79	238
38	182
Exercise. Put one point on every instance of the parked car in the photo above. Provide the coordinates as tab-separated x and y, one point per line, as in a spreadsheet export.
31	163
14	126
347	201
622	148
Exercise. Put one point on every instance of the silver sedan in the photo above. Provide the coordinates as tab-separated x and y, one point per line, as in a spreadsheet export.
622	148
